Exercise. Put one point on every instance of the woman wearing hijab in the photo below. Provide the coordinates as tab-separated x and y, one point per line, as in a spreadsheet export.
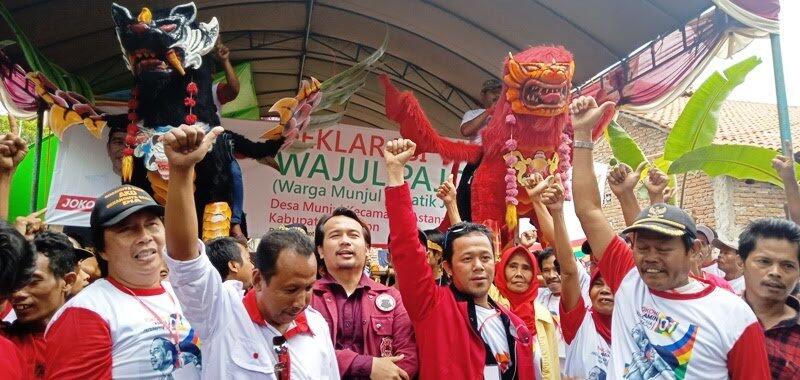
586	331
516	288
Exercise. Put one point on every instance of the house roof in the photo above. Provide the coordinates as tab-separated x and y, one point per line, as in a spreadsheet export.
740	122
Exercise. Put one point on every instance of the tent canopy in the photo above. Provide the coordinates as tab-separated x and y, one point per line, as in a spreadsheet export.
442	49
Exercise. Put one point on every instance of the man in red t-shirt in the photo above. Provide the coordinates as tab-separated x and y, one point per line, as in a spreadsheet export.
17	256
36	303
662	324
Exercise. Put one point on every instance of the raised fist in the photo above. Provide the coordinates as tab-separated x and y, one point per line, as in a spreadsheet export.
187	145
12	150
397	152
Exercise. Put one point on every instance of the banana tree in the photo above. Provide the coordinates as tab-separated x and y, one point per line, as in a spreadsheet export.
689	144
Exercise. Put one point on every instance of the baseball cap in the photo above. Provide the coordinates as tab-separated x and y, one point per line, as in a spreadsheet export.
490	84
120	203
664	219
81	254
723	243
707	231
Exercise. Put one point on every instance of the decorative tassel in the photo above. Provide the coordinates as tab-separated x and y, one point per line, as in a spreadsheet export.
127	168
511	216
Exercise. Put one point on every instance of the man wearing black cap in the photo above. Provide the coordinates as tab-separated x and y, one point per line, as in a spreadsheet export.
665	323
471	125
120	325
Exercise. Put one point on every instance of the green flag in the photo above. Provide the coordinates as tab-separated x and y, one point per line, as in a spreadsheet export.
245	106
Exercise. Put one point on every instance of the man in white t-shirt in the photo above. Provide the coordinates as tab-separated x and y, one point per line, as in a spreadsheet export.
472	124
730	263
665	325
129	324
271	332
550	296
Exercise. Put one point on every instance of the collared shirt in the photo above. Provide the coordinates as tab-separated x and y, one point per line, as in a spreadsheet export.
237	342
350	334
783	345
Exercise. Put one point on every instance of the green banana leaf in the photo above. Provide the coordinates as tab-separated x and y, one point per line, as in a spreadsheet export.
738	161
662	164
37	62
697	124
623	147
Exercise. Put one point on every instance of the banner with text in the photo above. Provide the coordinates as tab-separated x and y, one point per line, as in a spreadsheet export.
344	167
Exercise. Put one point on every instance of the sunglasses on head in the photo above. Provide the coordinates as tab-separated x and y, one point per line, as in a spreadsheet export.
449	233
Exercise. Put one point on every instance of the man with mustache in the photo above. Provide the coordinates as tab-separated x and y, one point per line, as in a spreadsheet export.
271	332
663	324
466	334
384	346
770	249
106	331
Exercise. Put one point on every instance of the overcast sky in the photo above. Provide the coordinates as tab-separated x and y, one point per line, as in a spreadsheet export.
760	83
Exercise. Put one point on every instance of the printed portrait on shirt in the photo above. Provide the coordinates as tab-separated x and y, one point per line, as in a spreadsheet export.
602	355
162	355
596	373
165	357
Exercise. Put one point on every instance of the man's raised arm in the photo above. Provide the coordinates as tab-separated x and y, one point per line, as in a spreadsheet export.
586	115
409	257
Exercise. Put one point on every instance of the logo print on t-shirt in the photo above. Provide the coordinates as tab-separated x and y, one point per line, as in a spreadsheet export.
651	359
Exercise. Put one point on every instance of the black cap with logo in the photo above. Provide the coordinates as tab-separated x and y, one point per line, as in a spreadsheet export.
120	203
664	219
114	206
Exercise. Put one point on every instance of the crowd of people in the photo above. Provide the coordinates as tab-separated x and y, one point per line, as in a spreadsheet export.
652	301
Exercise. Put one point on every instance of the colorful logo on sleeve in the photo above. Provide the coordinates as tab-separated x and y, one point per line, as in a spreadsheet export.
650	360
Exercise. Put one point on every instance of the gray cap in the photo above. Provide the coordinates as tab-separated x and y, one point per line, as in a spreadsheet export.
707	231
723	243
664	219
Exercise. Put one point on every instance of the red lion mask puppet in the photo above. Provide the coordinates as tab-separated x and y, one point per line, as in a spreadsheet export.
529	132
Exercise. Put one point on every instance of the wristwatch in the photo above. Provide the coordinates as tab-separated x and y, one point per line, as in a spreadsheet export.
583	144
